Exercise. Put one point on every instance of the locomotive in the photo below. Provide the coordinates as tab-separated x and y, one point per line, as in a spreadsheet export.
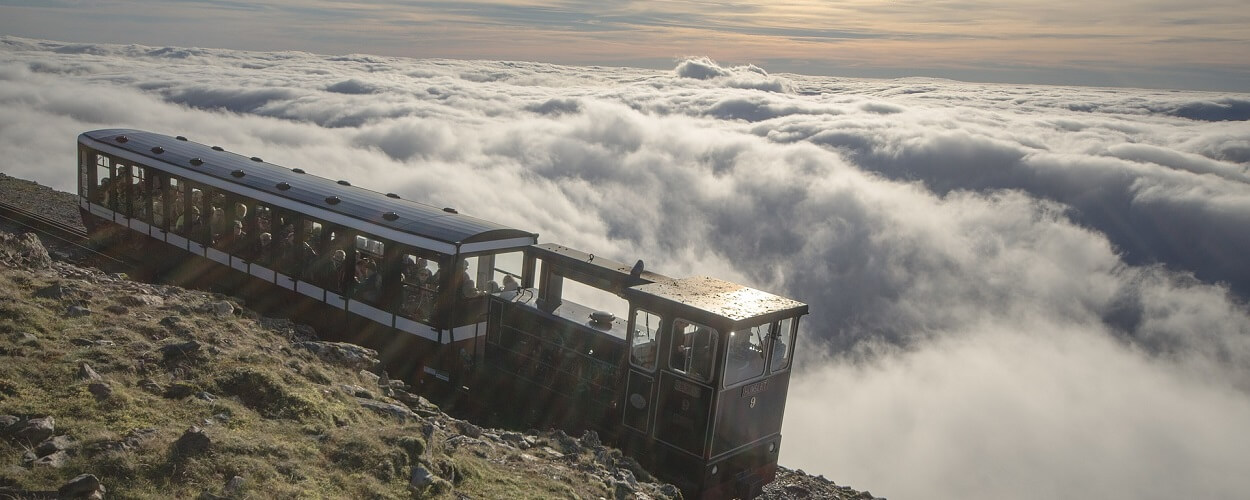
692	381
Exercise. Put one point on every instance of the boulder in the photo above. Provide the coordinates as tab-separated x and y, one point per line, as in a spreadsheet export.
100	390
24	250
116	309
84	486
151	386
468	429
76	311
234	487
55	460
179	390
142	300
36	429
343	354
173	352
369	378
401	413
421	477
85	372
192	442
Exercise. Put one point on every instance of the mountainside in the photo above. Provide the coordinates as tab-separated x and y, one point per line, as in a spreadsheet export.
118	388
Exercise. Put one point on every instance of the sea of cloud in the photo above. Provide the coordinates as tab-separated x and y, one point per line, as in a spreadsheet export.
1016	291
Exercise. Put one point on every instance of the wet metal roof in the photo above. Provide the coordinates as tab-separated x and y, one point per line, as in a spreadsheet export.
410	217
722	298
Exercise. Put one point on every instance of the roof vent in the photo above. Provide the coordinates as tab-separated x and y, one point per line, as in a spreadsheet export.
121	138
602	318
298	170
283	186
450	210
158	149
218	148
333	200
391	216
181	138
238	173
344	183
196	161
257	159
392	195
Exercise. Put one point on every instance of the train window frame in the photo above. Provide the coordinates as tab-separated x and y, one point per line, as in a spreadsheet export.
677	341
103	185
735	357
655	335
418	298
788	349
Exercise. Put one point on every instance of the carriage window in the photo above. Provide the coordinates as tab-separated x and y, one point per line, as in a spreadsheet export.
694	349
84	170
137	196
369	253
744	355
506	271
645	339
420	287
783	344
102	191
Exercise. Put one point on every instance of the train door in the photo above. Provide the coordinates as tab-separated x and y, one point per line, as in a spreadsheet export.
644	349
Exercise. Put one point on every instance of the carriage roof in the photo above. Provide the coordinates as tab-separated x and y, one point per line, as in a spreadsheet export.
176	154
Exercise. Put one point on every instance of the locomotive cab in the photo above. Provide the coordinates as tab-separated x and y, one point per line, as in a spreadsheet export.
707	380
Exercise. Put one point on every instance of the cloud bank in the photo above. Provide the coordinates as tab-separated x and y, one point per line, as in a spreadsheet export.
1016	291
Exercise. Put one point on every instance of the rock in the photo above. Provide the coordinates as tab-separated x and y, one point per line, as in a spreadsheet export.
143	300
406	397
468	429
84	486
76	311
590	439
221	308
36	429
369	378
27	338
55	460
568	445
234	486
116	309
8	423
179	390
100	390
85	372
356	391
184	350
205	396
151	386
421	477
80	342
192	442
403	414
24	250
343	354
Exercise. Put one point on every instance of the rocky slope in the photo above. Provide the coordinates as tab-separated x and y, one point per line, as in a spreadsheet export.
112	387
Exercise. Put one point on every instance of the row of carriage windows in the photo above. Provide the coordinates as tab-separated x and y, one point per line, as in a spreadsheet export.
693	348
396	278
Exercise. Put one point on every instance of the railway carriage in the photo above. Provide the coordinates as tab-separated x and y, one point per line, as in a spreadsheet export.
692	380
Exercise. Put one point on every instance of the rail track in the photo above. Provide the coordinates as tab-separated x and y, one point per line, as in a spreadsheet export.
62	235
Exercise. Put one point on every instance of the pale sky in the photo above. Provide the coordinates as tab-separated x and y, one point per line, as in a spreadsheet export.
1195	44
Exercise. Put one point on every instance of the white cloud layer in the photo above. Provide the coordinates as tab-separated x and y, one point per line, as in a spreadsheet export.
1017	291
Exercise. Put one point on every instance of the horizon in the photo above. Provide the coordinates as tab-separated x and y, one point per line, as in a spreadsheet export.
1140	44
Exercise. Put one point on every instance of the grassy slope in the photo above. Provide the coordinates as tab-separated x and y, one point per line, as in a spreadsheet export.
279	418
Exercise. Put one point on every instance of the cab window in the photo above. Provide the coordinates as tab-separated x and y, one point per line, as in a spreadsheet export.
693	350
744	354
644	340
783	344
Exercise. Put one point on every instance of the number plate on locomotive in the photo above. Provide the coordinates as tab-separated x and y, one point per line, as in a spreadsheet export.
753	389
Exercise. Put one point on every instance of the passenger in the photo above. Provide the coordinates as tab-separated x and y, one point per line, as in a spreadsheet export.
510	283
465	285
329	274
370	286
217	222
181	223
230	241
263	249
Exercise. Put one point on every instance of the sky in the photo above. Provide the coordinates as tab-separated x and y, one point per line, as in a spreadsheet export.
1190	44
1016	291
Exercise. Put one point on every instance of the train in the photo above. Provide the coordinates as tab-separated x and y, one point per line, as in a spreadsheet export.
691	381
